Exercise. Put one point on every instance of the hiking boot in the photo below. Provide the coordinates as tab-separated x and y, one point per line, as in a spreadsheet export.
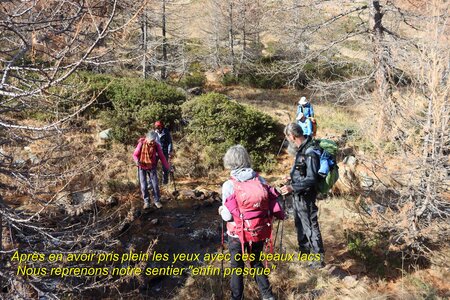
269	298
158	204
146	205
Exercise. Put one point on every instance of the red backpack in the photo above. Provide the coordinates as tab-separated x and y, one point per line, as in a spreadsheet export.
250	208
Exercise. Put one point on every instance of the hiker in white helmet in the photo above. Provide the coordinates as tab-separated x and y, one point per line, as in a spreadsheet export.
305	107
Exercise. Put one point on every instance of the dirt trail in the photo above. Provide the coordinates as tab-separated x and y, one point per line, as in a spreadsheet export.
189	226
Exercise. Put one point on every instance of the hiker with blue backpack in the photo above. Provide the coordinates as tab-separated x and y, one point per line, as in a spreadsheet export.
304	177
248	207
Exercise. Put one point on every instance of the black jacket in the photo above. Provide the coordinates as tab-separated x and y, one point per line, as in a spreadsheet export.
304	173
166	140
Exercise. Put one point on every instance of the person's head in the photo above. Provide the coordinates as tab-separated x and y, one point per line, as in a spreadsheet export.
159	125
236	158
303	101
294	134
151	136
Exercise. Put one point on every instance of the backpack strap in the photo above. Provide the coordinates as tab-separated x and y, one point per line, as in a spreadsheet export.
234	179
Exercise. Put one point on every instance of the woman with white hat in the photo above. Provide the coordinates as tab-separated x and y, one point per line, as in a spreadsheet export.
305	108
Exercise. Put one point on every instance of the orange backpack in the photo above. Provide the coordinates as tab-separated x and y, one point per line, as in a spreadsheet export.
314	125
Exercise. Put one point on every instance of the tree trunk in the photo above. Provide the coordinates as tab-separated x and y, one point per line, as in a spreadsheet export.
381	61
244	32
1	243
144	44
231	36
216	44
164	43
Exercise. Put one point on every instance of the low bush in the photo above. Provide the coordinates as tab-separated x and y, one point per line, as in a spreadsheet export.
194	79
229	79
263	81
216	123
133	104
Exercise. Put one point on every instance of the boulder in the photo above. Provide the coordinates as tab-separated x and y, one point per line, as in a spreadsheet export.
105	134
110	201
350	281
33	159
366	181
195	91
349	160
187	195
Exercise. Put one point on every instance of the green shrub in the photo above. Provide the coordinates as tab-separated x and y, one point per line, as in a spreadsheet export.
272	48
335	69
253	79
263	81
194	79
134	103
229	79
216	123
373	250
40	116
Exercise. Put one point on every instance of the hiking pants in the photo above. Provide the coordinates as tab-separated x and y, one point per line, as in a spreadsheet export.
165	171
153	177
306	222
237	282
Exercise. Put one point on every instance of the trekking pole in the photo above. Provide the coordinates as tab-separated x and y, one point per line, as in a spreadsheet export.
282	225
222	248
278	225
281	147
284	139
175	193
276	233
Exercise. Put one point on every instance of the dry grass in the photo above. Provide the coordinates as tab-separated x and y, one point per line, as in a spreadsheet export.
343	278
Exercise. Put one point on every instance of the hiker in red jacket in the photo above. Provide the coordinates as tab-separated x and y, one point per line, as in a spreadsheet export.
248	207
144	157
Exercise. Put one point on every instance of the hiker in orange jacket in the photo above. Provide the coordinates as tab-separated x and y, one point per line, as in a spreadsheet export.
144	157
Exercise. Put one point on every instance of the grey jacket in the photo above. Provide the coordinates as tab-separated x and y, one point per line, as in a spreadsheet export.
304	172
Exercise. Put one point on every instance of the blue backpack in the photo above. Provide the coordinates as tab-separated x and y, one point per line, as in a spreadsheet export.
328	171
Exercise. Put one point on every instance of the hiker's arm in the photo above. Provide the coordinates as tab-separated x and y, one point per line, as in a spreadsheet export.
137	152
227	190
274	205
225	214
169	141
312	167
162	157
312	110
299	110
